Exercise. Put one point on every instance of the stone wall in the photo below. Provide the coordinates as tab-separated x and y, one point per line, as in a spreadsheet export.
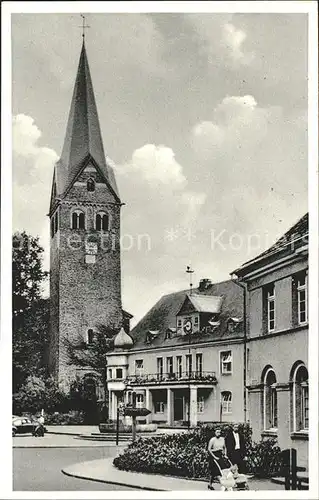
83	295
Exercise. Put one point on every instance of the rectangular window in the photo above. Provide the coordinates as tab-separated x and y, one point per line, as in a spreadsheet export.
139	400
169	365
196	320
179	366
189	365
302	293
226	362
110	373
199	364
273	408
226	402
305	406
119	373
159	407
159	368
179	323
200	404
270	291
139	367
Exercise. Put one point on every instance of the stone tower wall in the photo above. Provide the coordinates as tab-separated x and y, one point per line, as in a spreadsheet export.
84	295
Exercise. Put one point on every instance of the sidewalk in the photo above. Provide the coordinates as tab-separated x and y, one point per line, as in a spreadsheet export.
104	471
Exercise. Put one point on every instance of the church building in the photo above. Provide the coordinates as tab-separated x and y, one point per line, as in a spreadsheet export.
85	207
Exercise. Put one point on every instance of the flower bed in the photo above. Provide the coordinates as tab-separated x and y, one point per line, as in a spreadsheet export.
185	454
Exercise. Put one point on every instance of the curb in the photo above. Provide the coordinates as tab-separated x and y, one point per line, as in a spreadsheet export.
58	446
110	482
63	433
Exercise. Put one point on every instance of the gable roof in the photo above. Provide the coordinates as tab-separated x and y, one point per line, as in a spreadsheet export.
83	139
162	316
296	236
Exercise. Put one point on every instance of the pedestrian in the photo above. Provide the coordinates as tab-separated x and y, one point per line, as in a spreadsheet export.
216	456
235	447
41	418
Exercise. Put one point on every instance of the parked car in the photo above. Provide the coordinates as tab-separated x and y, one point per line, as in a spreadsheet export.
25	425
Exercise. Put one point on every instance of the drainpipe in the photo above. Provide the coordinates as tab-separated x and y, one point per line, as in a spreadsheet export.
235	280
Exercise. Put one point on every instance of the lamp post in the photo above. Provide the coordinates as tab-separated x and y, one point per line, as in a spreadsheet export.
189	271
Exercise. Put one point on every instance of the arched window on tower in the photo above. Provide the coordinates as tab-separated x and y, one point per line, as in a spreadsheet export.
90	185
300	398
270	400
102	221
90	336
78	219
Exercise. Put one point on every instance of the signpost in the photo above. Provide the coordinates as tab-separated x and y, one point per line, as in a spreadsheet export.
134	412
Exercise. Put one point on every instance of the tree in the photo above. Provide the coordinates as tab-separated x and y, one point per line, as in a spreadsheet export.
39	393
91	357
27	271
30	324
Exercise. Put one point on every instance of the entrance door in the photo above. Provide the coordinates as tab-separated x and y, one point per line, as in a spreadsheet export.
178	408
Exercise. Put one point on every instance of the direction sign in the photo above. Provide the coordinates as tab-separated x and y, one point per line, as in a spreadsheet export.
136	412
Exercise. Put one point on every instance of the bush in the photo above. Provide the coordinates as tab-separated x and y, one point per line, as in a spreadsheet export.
70	418
264	458
185	454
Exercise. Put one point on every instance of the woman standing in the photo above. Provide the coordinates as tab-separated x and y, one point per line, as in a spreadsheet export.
216	454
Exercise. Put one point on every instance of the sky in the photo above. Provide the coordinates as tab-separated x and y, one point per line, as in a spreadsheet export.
205	118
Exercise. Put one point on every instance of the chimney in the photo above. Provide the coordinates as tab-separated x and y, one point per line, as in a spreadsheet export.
204	284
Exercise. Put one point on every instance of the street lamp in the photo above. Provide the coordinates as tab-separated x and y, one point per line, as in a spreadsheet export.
189	271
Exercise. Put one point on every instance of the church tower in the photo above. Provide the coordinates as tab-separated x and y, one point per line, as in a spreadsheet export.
85	266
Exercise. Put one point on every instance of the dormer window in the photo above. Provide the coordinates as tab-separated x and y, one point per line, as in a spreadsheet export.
90	185
102	221
78	219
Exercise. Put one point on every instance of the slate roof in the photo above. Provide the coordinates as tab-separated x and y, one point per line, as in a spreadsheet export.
83	139
162	316
296	236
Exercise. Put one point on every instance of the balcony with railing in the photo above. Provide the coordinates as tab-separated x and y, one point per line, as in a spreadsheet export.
193	377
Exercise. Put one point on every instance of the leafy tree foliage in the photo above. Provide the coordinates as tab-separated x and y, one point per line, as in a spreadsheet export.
27	271
30	322
39	393
92	356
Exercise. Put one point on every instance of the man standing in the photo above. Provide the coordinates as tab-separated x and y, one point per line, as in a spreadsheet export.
235	447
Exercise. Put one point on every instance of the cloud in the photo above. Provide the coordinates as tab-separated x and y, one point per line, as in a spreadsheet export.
32	177
233	40
220	41
157	165
254	160
238	123
162	209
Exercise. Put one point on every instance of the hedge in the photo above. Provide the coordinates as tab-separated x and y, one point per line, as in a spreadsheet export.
185	454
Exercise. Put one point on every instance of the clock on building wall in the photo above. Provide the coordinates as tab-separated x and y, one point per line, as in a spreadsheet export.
187	327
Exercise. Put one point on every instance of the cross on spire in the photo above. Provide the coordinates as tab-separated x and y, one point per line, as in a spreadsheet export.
84	26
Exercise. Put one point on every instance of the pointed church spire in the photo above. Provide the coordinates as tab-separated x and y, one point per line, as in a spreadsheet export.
83	139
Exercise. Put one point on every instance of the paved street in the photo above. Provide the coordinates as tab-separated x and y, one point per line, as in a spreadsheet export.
39	469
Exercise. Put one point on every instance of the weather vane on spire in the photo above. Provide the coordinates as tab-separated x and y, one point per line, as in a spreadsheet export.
84	26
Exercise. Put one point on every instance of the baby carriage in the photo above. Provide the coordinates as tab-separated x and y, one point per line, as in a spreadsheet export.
229	478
